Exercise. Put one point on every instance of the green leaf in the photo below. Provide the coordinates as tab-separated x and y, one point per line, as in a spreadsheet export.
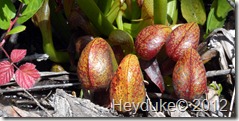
29	10
223	7
7	12
17	29
92	11
25	1
8	9
4	24
217	87
105	6
193	11
172	12
213	21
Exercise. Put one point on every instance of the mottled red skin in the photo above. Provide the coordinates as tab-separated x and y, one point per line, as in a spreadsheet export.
96	65
183	37
189	76
127	85
150	40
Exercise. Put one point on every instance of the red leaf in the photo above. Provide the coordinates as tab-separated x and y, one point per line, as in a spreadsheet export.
152	70
17	55
6	72
27	75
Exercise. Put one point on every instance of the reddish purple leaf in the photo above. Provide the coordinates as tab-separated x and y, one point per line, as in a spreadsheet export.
167	67
6	72
152	70
17	55
27	75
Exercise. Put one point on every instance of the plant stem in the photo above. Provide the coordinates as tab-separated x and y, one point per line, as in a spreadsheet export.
113	12
105	6
160	11
14	21
119	20
43	21
93	12
5	52
48	113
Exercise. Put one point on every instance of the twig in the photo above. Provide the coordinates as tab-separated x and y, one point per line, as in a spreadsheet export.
56	73
29	102
232	103
151	106
216	43
220	72
45	74
47	95
150	103
38	103
36	56
197	113
208	55
36	88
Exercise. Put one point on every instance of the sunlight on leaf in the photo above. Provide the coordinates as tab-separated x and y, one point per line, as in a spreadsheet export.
216	20
193	11
17	29
6	72
27	75
17	55
29	10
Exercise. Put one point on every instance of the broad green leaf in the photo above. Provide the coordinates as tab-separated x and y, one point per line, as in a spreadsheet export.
29	10
8	9
213	21
193	11
17	29
7	12
25	1
4	23
223	7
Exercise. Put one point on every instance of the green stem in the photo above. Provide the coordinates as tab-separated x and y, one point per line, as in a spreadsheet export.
105	6
98	19
43	20
160	11
119	20
112	14
59	23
